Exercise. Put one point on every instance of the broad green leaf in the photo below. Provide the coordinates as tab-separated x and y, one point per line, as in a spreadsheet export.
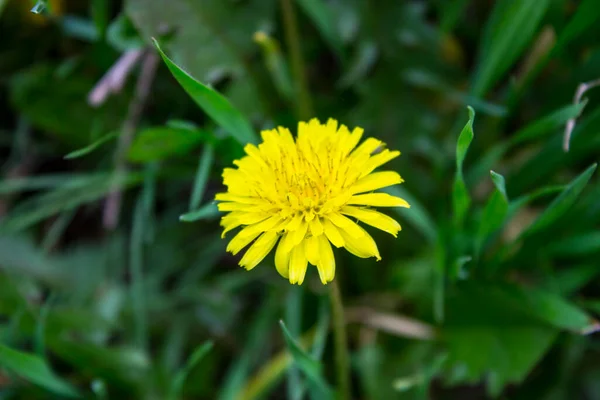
460	195
499	355
501	304
208	211
213	103
495	211
325	21
35	370
509	30
158	143
210	39
501	331
308	365
179	380
88	149
562	203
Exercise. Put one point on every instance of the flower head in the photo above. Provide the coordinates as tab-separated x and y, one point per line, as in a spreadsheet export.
307	194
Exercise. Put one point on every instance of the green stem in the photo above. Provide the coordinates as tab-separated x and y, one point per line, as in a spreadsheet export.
292	38
342	361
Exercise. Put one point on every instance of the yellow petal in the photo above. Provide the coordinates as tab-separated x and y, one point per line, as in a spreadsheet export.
238	199
376	181
332	233
374	218
316	227
300	233
263	226
259	250
298	264
241	240
346	224
377	160
312	250
326	265
378	200
236	218
282	256
363	247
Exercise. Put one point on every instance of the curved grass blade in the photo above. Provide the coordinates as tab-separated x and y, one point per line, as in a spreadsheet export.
213	103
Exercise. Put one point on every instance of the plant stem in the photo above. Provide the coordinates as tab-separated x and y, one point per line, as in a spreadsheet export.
292	38
342	360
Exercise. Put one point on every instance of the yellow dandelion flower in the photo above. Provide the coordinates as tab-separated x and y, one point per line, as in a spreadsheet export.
307	194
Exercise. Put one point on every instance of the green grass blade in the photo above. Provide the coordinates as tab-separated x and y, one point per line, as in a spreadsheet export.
91	147
235	380
495	211
460	195
206	162
213	103
308	365
510	28
179	380
208	211
35	370
562	203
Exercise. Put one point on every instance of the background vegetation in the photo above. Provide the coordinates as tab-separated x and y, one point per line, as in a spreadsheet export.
114	282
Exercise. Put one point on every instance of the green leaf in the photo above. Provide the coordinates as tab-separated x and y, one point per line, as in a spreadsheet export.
577	245
495	211
501	331
158	143
538	129
202	174
460	195
179	380
208	211
35	370
209	39
308	365
562	203
547	124
88	149
214	104
509	30
503	355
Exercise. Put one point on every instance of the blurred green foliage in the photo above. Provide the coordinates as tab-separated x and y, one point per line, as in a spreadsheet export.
114	281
